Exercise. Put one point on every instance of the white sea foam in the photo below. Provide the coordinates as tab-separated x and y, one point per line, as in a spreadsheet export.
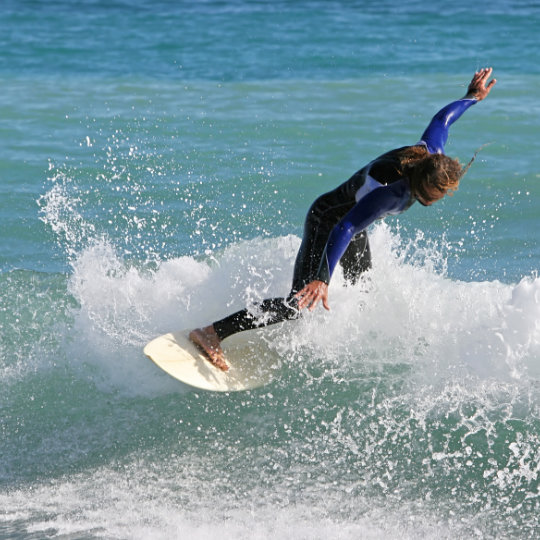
131	504
406	311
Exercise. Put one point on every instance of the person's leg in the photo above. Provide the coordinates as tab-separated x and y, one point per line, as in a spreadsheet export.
357	258
265	313
275	310
319	222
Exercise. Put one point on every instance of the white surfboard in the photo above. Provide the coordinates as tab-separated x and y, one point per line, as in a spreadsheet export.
251	362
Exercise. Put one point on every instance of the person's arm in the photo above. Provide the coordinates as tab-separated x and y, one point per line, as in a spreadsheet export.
436	134
378	203
374	205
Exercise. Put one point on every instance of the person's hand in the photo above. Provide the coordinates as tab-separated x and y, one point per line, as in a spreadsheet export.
477	87
312	294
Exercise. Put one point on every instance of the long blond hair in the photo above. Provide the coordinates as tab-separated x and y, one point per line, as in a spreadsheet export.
425	170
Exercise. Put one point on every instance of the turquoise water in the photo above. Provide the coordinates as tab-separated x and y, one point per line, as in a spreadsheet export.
157	162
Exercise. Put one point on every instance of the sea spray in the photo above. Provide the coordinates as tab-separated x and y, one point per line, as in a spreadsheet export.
405	310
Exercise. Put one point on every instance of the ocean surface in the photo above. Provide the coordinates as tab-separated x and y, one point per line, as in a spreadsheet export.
157	159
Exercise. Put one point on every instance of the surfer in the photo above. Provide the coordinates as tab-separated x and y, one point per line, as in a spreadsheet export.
335	227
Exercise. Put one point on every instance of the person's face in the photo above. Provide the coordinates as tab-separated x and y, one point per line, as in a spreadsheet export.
430	195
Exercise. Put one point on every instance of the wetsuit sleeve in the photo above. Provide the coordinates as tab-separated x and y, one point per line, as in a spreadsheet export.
436	134
374	205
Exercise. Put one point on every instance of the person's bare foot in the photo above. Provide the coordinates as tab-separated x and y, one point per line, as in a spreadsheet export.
207	339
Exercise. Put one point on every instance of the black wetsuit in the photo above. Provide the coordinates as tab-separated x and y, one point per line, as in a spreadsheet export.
335	226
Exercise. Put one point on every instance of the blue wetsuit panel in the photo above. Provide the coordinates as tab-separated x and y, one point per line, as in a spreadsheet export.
436	134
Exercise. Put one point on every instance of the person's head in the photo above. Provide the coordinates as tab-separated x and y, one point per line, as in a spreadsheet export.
432	176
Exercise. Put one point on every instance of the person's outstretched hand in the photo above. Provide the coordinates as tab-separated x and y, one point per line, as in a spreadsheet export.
312	294
477	87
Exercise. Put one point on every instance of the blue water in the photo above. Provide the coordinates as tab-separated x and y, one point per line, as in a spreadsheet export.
157	162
